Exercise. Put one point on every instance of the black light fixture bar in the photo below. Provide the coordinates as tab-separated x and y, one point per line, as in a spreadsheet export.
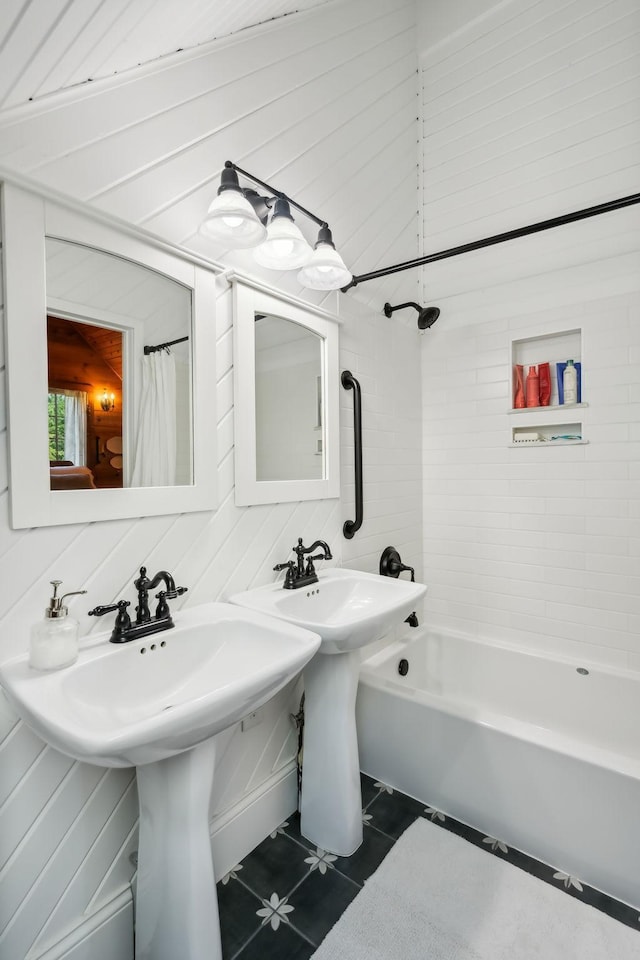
276	193
595	211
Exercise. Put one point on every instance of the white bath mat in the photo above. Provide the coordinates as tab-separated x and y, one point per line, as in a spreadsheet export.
437	897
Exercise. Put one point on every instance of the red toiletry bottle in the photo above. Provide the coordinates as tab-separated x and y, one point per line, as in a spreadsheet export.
533	388
518	387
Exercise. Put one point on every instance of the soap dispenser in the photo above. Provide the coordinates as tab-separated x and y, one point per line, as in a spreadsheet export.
54	641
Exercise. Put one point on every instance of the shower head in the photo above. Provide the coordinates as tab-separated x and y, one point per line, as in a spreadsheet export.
427	316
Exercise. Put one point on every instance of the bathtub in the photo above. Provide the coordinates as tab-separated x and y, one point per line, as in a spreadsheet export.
539	752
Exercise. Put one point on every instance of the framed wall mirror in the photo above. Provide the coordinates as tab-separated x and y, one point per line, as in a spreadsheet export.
286	397
111	356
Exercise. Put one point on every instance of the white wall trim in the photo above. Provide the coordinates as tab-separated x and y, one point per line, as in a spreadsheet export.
234	276
81	942
237	831
107	219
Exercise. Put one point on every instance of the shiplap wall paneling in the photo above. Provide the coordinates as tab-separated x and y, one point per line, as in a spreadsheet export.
530	112
60	43
324	106
148	147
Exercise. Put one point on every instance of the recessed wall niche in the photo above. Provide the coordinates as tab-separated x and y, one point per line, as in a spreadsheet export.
556	422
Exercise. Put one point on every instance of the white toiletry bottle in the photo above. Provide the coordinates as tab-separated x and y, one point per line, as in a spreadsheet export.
54	641
570	383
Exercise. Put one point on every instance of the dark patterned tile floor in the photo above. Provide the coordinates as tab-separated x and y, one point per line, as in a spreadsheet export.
282	900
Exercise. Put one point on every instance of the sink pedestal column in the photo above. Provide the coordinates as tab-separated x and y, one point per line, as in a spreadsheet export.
331	803
176	901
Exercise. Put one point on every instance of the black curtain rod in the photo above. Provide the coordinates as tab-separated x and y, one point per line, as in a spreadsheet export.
162	346
498	238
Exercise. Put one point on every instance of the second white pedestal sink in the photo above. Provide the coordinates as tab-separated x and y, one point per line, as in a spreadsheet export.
157	704
349	609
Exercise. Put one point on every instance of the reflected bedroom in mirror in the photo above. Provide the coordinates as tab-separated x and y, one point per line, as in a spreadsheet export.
119	401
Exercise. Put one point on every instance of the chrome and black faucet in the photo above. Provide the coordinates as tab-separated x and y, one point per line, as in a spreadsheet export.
299	573
145	624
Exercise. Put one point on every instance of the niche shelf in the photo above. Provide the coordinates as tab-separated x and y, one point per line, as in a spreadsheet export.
557	419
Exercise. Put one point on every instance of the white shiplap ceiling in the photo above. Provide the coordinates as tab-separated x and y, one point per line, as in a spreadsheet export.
48	45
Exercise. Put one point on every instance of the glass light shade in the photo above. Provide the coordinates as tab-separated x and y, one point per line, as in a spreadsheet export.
232	220
285	247
325	270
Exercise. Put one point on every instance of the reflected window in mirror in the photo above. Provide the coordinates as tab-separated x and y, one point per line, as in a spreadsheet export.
74	274
111	316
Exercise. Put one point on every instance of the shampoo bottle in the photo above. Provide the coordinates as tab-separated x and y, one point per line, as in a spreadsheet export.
533	388
570	383
54	641
518	387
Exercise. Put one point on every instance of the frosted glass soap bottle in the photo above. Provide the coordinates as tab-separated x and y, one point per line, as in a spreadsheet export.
54	640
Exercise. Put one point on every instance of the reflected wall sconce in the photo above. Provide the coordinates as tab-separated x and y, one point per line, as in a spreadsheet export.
427	316
107	400
241	218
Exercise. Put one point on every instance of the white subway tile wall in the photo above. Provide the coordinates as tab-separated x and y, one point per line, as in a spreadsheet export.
537	546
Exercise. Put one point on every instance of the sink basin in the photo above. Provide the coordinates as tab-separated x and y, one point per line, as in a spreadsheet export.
156	703
129	704
347	608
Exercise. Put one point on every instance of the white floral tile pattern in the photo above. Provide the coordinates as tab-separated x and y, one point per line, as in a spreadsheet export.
567	880
319	885
232	874
383	787
281	829
496	844
274	911
321	861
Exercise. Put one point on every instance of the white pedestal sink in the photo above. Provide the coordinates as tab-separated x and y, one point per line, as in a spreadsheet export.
349	609
157	704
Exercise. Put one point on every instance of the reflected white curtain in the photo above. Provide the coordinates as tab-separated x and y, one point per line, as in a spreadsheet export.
155	452
75	426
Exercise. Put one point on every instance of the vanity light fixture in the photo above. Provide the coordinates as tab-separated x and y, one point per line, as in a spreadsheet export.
285	248
241	218
231	218
107	400
325	270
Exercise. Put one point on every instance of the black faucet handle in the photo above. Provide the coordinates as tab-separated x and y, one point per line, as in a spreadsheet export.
172	594
290	577
100	611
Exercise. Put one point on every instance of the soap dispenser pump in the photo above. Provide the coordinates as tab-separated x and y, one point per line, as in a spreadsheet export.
54	641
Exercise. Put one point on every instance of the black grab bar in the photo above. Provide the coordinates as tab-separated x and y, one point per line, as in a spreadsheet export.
349	382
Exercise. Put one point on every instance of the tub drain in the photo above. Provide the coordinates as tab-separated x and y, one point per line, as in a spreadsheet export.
403	667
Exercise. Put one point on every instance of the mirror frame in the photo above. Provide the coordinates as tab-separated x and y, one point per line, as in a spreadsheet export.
27	219
249	299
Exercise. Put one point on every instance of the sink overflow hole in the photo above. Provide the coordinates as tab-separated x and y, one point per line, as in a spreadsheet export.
403	667
582	671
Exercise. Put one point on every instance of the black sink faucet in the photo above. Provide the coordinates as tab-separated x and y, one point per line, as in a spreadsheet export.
145	624
300	574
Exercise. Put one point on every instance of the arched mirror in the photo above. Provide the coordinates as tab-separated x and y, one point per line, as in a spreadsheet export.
286	399
111	406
